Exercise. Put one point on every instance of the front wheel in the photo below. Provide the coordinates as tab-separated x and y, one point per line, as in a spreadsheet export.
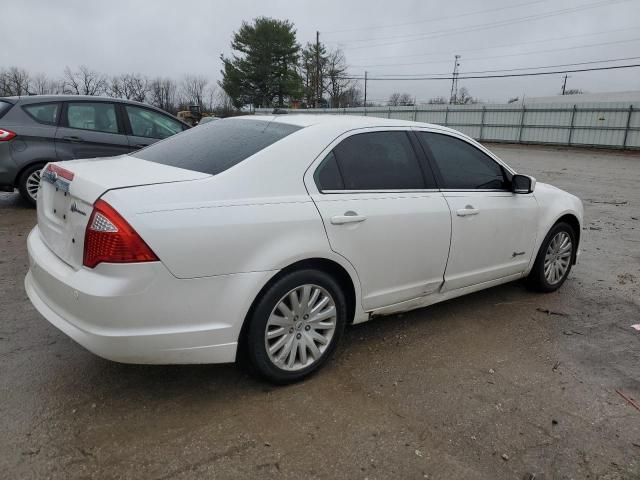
296	325
554	259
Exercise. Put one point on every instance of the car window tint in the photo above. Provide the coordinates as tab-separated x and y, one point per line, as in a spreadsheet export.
100	117
4	107
147	123
43	112
379	161
328	175
216	146
462	165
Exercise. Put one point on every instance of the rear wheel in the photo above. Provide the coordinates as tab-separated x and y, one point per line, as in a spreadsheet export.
296	326
554	259
29	182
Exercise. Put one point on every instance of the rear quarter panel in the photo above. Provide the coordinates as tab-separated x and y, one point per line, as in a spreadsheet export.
34	143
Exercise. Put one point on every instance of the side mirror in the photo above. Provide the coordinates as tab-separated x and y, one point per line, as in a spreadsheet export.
522	183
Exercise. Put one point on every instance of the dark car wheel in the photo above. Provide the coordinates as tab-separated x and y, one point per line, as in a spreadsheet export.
296	326
29	182
554	259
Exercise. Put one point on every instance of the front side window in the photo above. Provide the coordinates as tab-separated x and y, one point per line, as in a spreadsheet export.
462	166
100	117
150	124
43	112
372	161
216	146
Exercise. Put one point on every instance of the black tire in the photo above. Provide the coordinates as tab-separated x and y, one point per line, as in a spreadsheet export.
22	183
537	279
255	348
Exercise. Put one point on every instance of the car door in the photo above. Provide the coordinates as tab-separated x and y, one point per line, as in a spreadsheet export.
382	212
147	126
493	230
90	129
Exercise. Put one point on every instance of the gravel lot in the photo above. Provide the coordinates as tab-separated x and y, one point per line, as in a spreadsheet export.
487	386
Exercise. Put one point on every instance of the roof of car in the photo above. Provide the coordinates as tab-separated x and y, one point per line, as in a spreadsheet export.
342	121
60	98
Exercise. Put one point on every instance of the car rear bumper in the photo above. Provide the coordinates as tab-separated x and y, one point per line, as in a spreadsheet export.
140	313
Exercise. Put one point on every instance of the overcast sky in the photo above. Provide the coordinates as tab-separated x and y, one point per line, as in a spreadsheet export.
384	37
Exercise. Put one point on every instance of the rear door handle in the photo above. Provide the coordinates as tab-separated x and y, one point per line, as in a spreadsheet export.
72	138
348	217
141	145
467	211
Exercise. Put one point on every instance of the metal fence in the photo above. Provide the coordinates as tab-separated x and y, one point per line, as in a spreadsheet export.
607	125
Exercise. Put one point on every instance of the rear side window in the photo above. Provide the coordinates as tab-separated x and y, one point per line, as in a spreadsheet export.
150	124
328	175
462	166
43	112
372	161
216	146
100	117
4	107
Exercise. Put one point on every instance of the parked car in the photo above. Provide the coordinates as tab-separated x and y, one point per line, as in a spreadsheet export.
264	236
39	129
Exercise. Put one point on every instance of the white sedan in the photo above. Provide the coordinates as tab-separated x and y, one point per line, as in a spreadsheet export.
265	235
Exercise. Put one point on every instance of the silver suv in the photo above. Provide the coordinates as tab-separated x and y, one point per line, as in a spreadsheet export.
39	129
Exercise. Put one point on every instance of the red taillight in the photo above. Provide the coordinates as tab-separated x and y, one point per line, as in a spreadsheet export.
109	238
61	172
6	135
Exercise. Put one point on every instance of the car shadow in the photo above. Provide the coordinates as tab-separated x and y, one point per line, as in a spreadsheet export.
229	382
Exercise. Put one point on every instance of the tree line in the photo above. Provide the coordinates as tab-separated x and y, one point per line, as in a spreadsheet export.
166	93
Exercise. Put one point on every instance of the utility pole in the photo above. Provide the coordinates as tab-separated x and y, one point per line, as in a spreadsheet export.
318	79
365	88
564	84
454	81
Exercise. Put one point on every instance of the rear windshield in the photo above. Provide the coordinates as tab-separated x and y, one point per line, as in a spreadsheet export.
216	146
4	107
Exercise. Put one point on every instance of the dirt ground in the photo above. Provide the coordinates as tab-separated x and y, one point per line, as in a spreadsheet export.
488	386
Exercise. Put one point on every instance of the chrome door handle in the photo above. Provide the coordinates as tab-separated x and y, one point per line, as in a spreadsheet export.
467	211
348	217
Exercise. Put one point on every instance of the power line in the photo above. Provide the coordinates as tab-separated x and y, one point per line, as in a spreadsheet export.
467	77
519	54
477	27
438	19
520	68
545	40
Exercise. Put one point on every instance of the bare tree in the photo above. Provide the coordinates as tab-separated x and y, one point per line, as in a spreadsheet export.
14	81
84	81
193	89
223	104
335	73
163	94
400	99
43	85
464	97
131	86
351	97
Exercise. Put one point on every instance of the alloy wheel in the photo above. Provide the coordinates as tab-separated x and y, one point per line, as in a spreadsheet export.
32	184
300	327
557	258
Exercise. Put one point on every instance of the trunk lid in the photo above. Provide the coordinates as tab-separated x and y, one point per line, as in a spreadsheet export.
69	189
